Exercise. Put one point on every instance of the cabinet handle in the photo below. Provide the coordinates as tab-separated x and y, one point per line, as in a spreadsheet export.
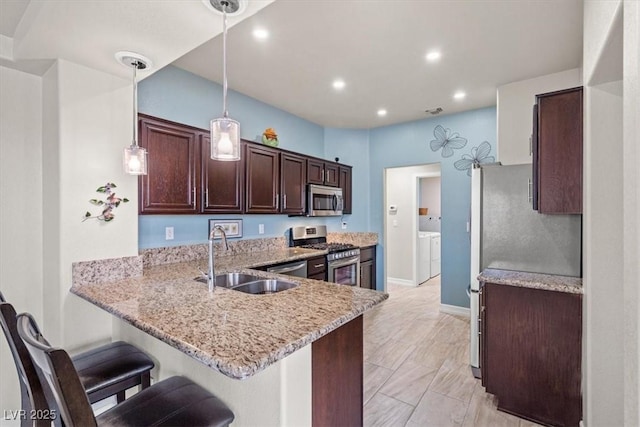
277	201
531	145
322	176
318	265
206	197
530	190
284	201
194	196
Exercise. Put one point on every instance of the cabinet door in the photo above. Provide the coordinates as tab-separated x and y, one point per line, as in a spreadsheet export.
367	275
368	267
560	152
345	184
331	174
170	185
315	171
293	173
262	173
533	344
222	186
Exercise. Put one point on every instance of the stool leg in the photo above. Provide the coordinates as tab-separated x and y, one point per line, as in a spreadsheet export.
145	380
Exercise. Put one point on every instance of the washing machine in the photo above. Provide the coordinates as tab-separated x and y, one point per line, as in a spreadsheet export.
435	254
424	256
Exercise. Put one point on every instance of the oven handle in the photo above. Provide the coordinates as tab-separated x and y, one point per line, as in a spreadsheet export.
335	202
346	261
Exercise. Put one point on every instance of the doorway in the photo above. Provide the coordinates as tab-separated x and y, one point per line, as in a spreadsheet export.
403	204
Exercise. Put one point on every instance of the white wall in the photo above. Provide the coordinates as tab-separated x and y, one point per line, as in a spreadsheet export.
515	112
21	209
611	309
430	194
87	122
400	228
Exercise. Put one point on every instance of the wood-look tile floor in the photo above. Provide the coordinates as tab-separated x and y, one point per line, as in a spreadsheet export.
416	366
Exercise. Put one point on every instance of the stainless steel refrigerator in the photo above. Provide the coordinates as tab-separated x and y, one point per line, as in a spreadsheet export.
506	233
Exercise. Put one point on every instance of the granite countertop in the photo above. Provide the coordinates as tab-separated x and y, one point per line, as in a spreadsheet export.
547	282
232	332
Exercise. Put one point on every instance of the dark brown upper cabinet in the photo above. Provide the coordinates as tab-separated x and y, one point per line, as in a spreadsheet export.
323	173
293	174
276	181
345	183
557	152
222	182
183	179
262	178
170	187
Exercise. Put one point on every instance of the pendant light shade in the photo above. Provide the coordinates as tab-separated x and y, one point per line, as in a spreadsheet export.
225	139
134	159
225	132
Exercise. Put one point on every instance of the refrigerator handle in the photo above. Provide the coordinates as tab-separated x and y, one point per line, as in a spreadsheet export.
529	190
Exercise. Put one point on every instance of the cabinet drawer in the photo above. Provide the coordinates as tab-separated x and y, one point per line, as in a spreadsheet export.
318	276
367	254
316	265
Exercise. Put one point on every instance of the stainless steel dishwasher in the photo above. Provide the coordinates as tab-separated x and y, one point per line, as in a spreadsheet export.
298	269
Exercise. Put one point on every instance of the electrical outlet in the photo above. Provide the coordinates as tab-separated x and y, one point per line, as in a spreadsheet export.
168	233
260	228
344	225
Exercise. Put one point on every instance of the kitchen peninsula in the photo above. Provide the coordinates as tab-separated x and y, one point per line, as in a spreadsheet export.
297	352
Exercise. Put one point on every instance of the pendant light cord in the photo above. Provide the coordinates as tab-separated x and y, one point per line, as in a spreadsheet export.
224	5
135	104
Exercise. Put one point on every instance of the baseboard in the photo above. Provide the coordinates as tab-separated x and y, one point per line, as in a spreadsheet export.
403	282
455	310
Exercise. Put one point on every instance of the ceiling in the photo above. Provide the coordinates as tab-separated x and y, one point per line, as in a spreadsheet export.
377	48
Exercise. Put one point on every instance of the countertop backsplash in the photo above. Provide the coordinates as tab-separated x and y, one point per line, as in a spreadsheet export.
108	270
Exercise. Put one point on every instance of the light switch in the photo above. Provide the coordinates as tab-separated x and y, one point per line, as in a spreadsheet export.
260	228
168	233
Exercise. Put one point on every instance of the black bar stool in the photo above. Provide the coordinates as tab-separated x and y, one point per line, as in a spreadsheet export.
176	401
105	371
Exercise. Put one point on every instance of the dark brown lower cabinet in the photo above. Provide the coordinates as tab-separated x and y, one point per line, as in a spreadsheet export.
337	377
368	267
317	268
531	352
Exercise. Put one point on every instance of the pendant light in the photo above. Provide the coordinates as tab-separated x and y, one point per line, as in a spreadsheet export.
135	157
225	132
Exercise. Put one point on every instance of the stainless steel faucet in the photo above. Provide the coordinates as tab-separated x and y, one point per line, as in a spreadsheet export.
211	277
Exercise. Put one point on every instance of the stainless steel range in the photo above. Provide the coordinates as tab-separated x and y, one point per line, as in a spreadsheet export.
343	259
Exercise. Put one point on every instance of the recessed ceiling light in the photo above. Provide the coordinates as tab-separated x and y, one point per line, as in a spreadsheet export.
339	84
260	33
433	56
459	95
382	112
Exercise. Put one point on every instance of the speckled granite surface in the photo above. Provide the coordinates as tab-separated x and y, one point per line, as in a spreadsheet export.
235	333
547	282
359	239
106	270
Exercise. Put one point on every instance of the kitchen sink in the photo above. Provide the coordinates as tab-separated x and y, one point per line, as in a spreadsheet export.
265	286
249	284
229	280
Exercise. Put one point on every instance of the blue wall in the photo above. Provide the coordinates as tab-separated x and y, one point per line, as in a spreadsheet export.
408	144
174	94
180	96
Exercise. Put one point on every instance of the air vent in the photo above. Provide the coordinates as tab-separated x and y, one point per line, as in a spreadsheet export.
434	111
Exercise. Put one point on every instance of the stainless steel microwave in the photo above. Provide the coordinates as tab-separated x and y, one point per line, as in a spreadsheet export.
324	201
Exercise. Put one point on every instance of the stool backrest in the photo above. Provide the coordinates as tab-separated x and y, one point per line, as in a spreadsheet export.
61	375
31	391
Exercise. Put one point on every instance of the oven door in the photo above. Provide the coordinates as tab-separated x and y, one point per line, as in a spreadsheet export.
345	271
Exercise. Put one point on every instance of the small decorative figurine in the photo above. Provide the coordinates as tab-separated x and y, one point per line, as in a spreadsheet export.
270	138
110	204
